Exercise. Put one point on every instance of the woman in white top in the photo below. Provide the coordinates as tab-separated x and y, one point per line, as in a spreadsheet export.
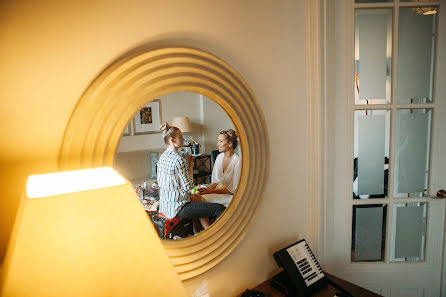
227	166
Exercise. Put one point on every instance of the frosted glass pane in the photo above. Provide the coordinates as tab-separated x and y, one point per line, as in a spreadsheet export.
408	232
412	148
416	48
405	292
371	154
368	234
373	39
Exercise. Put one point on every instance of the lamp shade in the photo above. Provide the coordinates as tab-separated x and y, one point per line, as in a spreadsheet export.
91	241
183	123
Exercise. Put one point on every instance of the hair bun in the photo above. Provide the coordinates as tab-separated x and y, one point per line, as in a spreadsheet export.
232	135
164	127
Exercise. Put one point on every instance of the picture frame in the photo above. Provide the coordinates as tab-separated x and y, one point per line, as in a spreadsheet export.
148	119
127	130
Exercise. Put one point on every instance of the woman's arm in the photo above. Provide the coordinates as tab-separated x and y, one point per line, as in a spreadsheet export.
186	180
214	191
236	175
190	161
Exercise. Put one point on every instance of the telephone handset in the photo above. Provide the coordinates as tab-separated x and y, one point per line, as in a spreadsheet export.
302	273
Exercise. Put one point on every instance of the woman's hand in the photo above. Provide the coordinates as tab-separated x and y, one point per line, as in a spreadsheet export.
195	198
190	159
206	191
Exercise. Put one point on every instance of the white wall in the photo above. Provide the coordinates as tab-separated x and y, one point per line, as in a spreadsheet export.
52	50
207	120
175	104
216	120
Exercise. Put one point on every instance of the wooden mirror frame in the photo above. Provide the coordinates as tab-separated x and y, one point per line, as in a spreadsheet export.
104	110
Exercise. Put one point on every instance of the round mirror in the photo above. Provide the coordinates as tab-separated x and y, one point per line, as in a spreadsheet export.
208	136
94	131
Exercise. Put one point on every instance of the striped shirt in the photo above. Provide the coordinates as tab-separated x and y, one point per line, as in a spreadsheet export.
174	181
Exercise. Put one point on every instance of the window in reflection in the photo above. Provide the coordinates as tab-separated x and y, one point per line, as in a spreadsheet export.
408	232
373	56
371	154
368	233
416	52
201	123
412	145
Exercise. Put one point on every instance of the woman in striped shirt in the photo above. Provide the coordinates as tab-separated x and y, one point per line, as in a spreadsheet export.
174	174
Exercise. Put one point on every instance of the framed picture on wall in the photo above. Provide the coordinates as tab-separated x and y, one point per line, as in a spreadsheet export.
148	119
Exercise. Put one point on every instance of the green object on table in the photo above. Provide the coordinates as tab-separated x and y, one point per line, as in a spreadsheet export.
194	190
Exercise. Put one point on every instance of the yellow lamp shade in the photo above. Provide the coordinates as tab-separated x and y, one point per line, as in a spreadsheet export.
183	123
95	242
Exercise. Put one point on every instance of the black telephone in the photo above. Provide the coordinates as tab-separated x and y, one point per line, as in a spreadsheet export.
302	274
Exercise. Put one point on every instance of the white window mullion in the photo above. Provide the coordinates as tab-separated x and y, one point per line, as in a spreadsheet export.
393	103
350	125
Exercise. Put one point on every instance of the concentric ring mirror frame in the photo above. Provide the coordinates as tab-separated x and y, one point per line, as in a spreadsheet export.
102	113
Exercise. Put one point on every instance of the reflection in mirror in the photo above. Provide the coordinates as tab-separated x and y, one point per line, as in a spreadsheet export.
165	176
412	145
371	154
408	235
373	56
416	51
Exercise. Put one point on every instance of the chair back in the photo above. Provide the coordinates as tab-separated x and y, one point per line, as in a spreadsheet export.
214	155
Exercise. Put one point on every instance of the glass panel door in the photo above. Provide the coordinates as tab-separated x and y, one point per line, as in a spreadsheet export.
410	135
388	147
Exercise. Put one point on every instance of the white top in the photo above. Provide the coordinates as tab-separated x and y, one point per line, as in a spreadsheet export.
230	178
223	199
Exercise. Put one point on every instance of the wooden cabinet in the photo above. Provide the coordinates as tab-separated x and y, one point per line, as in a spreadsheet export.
328	290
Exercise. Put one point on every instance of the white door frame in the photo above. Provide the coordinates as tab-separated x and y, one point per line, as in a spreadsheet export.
320	93
319	67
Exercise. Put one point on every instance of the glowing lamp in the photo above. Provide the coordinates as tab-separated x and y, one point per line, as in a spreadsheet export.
85	233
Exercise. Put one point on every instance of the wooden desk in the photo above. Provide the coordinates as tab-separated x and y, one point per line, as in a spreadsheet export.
328	290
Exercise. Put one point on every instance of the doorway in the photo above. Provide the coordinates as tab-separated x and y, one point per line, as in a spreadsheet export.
383	230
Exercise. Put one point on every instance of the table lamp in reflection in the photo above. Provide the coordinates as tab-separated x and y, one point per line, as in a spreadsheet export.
183	123
84	233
